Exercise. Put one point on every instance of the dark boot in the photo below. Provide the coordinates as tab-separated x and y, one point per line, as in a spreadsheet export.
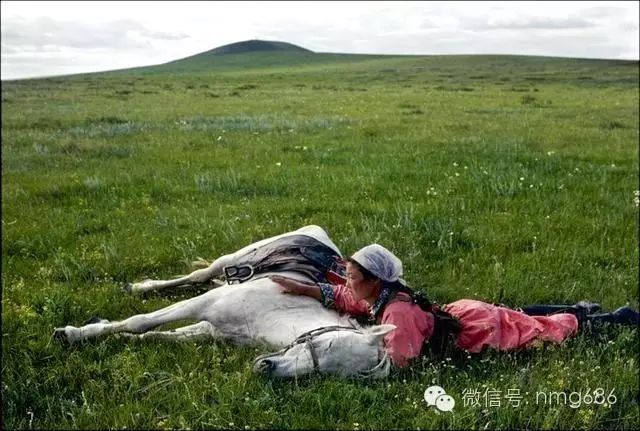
621	316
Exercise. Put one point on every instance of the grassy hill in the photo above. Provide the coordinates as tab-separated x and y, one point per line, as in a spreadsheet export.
273	57
503	178
251	53
255	46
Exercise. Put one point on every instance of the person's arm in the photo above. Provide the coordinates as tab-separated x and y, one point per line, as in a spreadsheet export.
294	287
336	297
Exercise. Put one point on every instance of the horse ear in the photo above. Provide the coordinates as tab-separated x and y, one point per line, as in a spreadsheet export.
376	333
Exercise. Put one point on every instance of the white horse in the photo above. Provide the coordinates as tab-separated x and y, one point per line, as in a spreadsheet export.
314	338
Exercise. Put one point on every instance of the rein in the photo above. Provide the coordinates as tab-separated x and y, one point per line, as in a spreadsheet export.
307	339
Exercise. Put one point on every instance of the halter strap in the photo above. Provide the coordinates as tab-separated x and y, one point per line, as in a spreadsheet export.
307	338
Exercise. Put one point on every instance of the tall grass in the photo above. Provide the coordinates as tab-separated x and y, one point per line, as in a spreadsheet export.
505	179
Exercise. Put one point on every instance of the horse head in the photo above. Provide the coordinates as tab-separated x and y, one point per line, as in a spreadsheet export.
345	351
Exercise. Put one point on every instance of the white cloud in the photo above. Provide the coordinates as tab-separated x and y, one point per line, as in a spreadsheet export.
540	23
46	33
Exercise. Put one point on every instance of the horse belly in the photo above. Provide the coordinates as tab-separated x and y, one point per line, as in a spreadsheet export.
258	313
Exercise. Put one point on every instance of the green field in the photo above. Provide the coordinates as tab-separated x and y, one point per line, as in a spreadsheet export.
505	179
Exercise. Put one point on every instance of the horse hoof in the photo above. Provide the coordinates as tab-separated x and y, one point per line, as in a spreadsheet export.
59	335
127	288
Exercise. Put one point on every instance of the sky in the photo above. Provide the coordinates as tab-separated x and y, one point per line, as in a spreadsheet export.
57	38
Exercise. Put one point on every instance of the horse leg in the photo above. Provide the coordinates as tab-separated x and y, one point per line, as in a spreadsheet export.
203	275
187	309
196	332
198	276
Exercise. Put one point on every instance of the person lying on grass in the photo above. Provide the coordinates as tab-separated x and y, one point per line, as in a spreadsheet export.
374	289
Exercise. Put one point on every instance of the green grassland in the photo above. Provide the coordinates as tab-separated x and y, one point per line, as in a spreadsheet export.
505	179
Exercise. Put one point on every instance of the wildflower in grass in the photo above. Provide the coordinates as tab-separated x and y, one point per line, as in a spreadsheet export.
636	197
31	415
278	164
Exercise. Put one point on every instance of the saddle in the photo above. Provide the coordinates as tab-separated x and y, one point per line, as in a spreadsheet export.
296	253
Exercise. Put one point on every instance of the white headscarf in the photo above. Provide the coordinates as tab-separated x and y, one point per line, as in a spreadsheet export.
380	262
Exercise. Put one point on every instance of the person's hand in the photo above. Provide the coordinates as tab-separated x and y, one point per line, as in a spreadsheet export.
287	285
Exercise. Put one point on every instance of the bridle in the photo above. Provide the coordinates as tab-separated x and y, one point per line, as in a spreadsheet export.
307	338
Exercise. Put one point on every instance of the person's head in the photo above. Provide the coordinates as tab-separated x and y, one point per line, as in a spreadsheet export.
369	269
361	282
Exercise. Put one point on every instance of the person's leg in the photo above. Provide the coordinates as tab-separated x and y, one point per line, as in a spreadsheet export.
586	312
579	308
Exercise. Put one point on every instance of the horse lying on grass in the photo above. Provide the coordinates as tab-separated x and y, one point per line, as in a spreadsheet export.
253	311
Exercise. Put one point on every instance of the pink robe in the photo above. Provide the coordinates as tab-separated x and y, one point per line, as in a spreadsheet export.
483	325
